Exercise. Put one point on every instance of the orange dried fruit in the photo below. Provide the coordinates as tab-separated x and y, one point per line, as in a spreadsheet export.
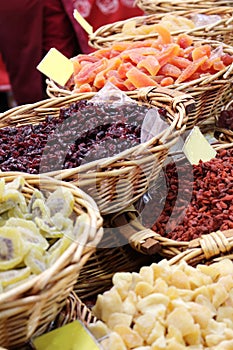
191	69
139	79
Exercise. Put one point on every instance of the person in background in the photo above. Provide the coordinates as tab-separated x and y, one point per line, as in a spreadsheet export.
21	47
30	28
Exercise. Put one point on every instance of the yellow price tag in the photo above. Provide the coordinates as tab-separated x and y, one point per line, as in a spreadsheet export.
196	147
56	66
86	26
73	336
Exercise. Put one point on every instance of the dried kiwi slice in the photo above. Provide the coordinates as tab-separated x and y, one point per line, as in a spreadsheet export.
11	248
16	184
13	197
13	276
36	260
40	210
61	201
36	195
29	232
48	230
57	249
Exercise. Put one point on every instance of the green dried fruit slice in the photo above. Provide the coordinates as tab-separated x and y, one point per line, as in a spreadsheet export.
36	260
16	184
57	249
29	232
36	195
14	197
13	276
11	248
63	224
47	229
40	210
61	201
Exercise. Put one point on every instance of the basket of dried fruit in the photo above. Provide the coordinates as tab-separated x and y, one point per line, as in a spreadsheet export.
49	229
123	167
213	24
187	204
201	68
158	6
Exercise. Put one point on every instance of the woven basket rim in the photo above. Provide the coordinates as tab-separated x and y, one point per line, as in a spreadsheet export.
109	33
164	5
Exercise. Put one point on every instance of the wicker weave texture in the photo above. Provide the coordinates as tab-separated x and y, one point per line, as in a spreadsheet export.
221	31
154	6
30	307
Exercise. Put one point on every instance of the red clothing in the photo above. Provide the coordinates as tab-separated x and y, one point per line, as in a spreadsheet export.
21	47
98	13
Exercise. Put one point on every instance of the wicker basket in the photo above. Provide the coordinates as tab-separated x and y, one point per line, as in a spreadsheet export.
30	307
147	241
116	182
221	31
154	6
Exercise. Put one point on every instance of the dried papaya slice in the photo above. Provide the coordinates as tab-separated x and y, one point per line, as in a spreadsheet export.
14	276
118	82
184	40
35	259
29	232
170	70
180	62
191	69
139	79
164	33
151	64
166	81
123	69
88	72
85	88
11	248
166	55
201	51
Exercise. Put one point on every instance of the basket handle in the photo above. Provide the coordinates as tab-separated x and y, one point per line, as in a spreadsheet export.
139	237
170	99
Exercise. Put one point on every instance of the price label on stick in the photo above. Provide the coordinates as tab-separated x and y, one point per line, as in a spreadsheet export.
83	23
196	147
56	66
73	336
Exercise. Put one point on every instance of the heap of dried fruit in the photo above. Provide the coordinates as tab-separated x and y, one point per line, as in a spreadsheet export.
194	200
84	131
33	235
153	62
167	307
